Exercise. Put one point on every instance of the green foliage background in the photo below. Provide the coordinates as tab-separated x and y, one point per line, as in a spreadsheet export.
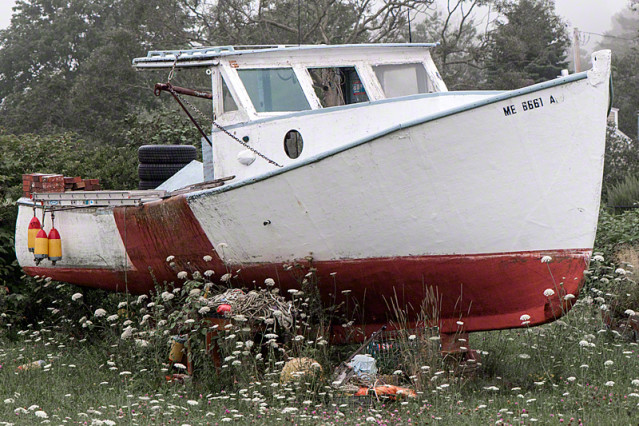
69	154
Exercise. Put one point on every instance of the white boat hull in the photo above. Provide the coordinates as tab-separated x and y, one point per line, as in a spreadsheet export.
466	200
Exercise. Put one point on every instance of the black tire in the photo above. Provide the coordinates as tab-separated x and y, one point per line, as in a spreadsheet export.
149	184
159	172
166	154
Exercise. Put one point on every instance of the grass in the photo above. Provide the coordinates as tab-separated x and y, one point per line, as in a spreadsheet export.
105	359
540	374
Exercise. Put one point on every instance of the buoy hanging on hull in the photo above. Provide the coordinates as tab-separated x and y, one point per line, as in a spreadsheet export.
55	246
41	249
34	227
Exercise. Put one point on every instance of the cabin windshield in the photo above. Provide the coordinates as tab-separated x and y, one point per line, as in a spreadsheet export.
274	89
337	86
403	79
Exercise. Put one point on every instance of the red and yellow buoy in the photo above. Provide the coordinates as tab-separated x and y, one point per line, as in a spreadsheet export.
55	246
41	249
34	227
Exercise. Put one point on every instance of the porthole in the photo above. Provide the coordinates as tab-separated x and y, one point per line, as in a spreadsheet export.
293	144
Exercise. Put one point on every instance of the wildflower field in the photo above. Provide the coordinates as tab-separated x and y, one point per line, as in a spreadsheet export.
79	356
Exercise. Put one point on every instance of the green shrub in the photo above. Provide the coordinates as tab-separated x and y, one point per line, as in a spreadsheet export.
617	230
621	159
624	194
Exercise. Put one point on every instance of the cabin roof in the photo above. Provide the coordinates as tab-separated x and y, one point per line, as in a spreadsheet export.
206	56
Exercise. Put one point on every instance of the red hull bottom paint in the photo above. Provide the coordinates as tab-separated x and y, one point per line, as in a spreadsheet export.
483	291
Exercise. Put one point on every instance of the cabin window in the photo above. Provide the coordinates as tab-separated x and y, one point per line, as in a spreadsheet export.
228	103
402	79
338	86
274	90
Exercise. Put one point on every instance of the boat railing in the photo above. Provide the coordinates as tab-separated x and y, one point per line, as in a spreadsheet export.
212	50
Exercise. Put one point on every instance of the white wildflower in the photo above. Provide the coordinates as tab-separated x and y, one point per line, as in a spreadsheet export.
208	273
170	259
179	366
549	292
635	382
166	296
112	318
620	271
569	296
195	292
546	259
41	414
204	310
524	317
182	275
121	305
571	379
207	258
99	313
629	312
127	333
610	383
76	297
192	402
608	363
226	277
598	258
141	343
269	282
412	337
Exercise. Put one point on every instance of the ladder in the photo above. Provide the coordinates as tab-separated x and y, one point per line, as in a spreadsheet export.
96	198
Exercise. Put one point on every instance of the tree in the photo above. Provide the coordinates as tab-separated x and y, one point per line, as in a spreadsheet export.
622	40
65	65
528	45
461	45
296	21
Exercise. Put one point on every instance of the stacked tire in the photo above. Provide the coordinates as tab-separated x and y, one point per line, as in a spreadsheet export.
159	162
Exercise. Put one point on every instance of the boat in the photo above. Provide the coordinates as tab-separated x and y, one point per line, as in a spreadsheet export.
357	160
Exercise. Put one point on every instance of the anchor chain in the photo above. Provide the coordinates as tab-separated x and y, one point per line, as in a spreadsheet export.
182	100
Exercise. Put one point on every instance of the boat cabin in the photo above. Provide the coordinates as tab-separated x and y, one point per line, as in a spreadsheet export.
291	103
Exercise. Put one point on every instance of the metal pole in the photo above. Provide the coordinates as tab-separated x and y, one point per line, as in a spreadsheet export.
299	24
576	49
410	33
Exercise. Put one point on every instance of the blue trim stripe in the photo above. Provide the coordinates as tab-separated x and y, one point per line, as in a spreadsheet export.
431	117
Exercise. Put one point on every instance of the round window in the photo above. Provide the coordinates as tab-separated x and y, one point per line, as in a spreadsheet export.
293	144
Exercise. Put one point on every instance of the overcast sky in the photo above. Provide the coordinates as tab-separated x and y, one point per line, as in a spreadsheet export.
589	15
